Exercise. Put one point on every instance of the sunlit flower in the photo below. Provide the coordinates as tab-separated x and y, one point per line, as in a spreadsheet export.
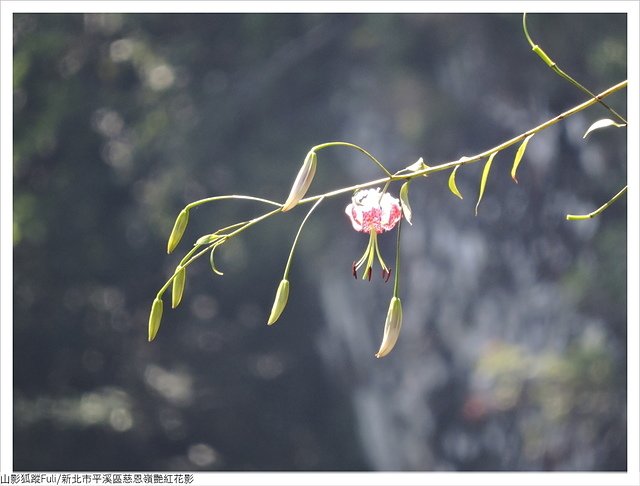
373	212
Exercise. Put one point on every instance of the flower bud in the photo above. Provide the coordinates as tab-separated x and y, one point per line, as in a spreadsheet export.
391	327
177	288
155	317
280	302
302	182
178	230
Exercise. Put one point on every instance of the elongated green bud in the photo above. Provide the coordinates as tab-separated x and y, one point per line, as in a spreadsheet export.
280	302
177	288
302	182
154	318
391	327
178	230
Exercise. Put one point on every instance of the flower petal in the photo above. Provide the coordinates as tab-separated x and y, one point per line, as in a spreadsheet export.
355	216
371	209
391	212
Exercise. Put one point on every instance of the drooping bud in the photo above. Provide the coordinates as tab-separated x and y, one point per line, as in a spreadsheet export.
391	327
280	301
177	288
302	182
178	230
155	317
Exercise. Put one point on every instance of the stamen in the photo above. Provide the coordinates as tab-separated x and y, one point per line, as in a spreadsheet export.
386	274
382	264
373	244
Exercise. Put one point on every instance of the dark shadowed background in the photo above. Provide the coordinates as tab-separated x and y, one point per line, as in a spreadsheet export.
513	349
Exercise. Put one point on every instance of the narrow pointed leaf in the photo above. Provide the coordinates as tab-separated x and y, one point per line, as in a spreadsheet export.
154	318
518	158
483	180
404	201
452	182
177	288
605	122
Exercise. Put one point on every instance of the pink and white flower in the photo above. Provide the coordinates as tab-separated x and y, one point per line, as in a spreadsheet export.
372	211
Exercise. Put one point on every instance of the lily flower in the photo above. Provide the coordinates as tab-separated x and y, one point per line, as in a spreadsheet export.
373	212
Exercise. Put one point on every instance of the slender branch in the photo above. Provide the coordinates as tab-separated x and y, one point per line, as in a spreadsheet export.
351	145
398	176
408	173
295	240
189	258
396	277
233	196
192	256
554	67
478	157
593	214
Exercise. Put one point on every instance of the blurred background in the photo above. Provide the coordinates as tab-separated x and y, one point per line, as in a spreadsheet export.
513	349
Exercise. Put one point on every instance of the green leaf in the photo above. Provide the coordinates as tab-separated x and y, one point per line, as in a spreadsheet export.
177	288
518	159
452	182
404	201
483	181
605	122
